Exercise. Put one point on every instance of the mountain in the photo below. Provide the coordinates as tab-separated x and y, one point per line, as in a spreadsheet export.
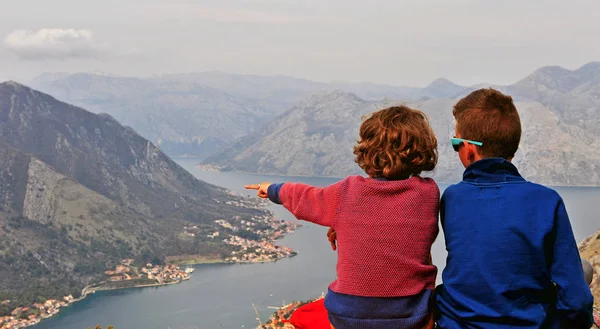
283	90
316	137
79	192
196	114
574	95
182	118
442	88
310	139
219	115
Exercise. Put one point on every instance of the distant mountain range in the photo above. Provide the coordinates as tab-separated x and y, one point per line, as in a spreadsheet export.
216	115
560	111
181	117
199	114
79	192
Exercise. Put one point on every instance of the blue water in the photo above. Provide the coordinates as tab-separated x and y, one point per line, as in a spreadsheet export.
221	296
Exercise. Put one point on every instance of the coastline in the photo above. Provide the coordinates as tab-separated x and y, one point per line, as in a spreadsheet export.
194	261
212	168
90	290
209	169
107	285
146	285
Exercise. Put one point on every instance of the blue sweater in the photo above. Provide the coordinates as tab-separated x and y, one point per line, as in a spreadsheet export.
512	257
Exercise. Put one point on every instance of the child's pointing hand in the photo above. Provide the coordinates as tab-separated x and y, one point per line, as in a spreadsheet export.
262	189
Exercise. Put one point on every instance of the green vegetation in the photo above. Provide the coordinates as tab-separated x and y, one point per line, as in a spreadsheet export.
246	234
127	284
32	270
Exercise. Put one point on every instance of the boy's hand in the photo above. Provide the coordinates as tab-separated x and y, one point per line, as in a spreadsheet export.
331	236
262	189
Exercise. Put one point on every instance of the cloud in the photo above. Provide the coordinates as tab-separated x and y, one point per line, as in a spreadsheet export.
54	44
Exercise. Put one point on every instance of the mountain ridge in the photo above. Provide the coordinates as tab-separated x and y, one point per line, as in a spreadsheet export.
196	114
296	144
79	193
571	96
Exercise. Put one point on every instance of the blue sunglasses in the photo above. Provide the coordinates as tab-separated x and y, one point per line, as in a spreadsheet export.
457	141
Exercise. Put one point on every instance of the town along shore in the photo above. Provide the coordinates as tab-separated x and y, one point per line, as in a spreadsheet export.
251	240
124	275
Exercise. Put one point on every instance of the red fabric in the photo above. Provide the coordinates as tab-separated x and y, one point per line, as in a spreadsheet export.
314	316
385	230
311	316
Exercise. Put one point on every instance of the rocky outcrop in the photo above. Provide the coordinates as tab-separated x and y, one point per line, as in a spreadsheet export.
39	202
590	250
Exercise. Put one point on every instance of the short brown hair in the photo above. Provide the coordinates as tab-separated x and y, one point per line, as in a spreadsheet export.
490	117
396	143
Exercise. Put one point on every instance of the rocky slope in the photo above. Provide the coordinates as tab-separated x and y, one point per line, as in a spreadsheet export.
316	136
590	250
573	95
313	138
79	192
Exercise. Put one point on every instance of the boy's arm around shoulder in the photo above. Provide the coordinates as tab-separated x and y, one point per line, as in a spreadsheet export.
314	204
575	300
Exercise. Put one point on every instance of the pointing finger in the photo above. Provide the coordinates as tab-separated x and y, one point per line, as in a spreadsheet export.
252	187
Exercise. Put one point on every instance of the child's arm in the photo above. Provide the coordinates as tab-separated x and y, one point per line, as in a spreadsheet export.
310	203
575	299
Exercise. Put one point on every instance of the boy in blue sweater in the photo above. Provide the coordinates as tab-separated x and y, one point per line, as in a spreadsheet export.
512	257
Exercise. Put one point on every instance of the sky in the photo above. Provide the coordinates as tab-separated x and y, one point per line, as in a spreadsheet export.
398	42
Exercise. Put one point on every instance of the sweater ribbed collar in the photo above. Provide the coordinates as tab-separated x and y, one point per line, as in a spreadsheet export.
492	170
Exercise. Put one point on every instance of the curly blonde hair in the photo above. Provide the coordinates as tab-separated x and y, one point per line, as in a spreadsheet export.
396	143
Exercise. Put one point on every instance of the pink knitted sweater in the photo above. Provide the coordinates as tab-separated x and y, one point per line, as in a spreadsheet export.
385	230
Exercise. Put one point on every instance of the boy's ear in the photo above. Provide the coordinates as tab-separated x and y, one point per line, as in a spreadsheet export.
472	152
468	151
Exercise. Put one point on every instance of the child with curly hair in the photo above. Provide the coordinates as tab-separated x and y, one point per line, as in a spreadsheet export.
384	224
